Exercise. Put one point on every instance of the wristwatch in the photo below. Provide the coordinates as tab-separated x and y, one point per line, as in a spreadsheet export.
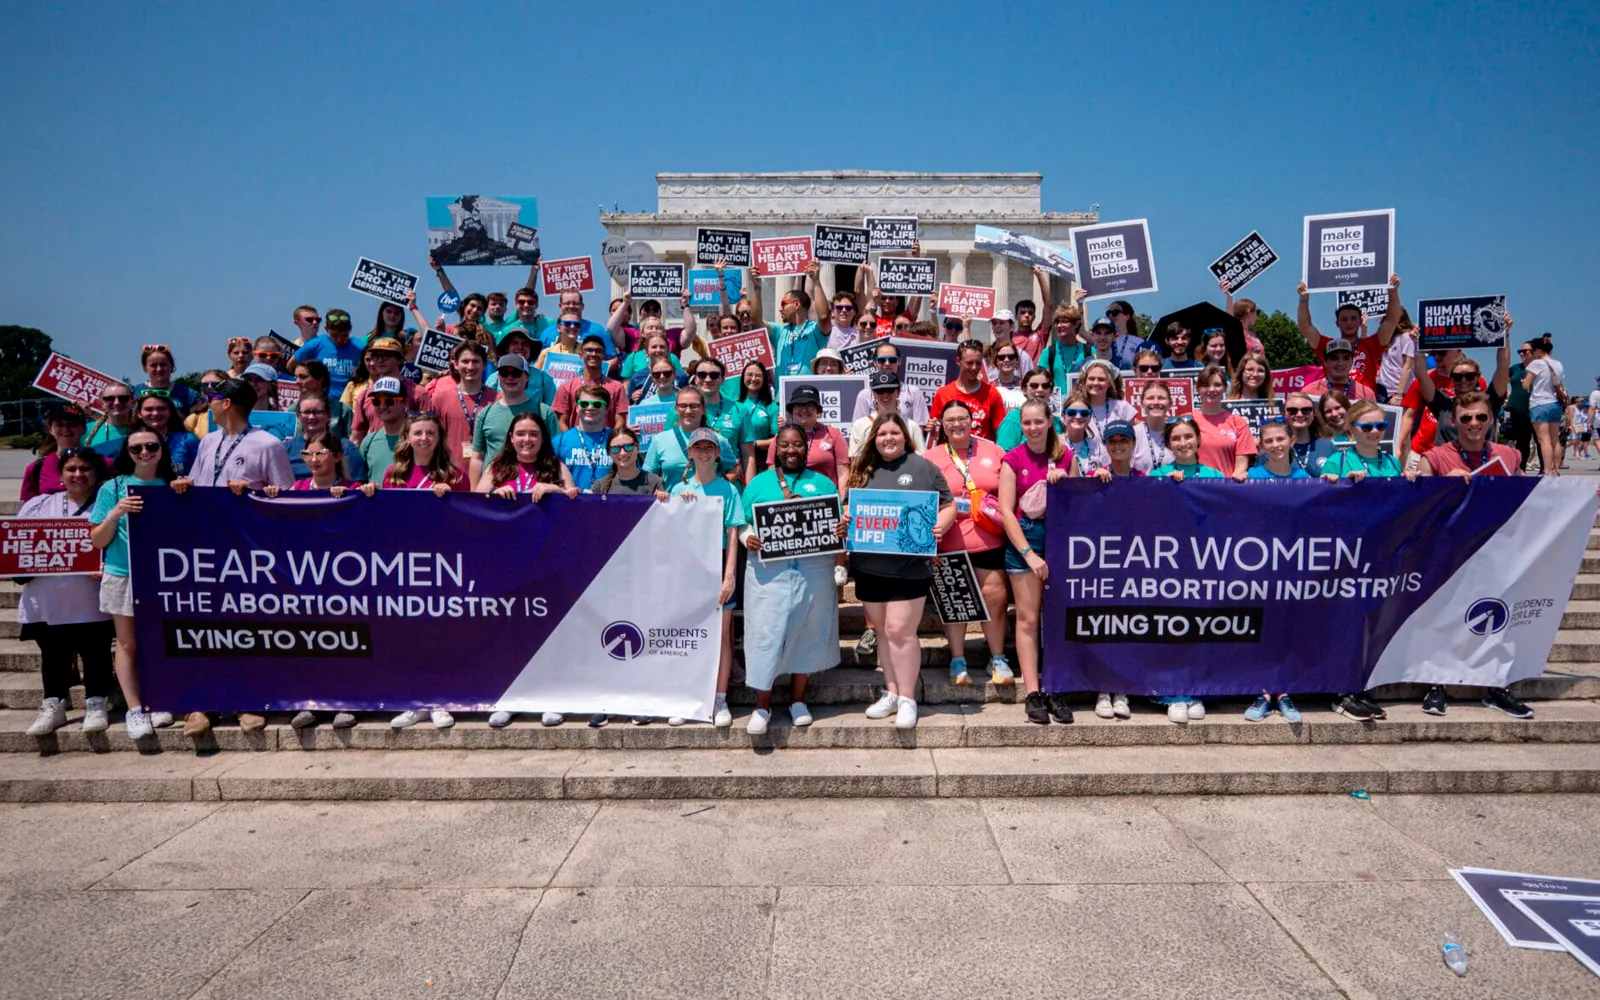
1025	551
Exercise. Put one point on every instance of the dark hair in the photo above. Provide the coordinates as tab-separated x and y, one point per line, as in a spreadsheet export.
377	321
801	296
867	459
1027	304
763	394
595	337
440	468
89	457
482	302
144	355
173	421
122	465
1351	306
1473	397
722	368
1173	329
604	485
955	404
849	297
546	467
526	290
335	446
469	347
1210	373
1327	429
316	370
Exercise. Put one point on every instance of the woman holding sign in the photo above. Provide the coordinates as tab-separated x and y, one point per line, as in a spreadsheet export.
971	468
1150	434
893	588
791	617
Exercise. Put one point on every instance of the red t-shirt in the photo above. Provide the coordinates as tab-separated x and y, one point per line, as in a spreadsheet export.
885	327
1223	437
1353	390
566	403
1033	341
1364	366
1427	426
457	414
987	406
1449	458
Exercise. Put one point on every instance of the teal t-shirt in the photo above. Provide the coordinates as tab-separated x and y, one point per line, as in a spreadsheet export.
1262	472
639	361
731	420
1195	471
795	347
377	450
762	417
732	508
494	423
110	492
764	488
1009	434
1348	461
668	456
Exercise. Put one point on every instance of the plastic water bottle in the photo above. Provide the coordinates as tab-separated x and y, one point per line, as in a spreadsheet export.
1455	956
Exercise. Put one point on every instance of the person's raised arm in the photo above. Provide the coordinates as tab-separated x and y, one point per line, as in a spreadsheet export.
1408	419
1391	317
863	275
758	315
444	279
1500	383
690	337
619	319
416	314
1302	318
722	283
1227	295
820	307
1425	386
1046	306
533	278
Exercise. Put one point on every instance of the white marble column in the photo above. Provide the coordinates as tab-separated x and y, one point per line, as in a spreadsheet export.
958	267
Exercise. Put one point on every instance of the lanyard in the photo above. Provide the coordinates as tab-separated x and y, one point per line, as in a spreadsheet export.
526	480
477	404
1471	465
960	466
1302	458
220	461
66	504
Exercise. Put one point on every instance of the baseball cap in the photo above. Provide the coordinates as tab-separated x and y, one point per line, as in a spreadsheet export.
1004	314
1102	321
238	391
704	434
884	380
804	394
65	411
262	371
386	344
336	317
511	360
1117	428
386	386
1338	344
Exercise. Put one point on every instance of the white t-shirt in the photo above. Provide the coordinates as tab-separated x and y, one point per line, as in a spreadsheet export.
1546	371
1594	401
1396	359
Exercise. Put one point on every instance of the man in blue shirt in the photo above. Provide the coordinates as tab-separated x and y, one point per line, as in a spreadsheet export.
573	302
336	349
796	340
583	446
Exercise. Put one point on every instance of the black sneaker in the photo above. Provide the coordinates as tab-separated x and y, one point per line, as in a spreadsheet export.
598	720
1059	709
1372	706
1434	701
1500	699
1352	707
1037	708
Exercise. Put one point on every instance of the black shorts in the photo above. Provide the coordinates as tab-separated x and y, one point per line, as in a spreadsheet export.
994	558
872	589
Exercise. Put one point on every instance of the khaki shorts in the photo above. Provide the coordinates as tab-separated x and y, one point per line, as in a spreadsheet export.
116	595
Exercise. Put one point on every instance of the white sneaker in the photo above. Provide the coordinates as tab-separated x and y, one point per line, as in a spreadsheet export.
1119	706
758	722
1197	710
841	576
722	718
676	720
499	720
161	720
1102	705
138	722
441	719
52	716
407	718
95	719
799	713
552	719
1178	712
883	707
905	717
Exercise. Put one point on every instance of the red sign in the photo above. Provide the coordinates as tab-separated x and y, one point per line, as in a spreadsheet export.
574	274
46	546
968	301
288	395
64	377
783	255
1181	390
1287	380
740	349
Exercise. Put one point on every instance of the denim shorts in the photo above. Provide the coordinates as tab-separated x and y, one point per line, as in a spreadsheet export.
1033	531
1545	413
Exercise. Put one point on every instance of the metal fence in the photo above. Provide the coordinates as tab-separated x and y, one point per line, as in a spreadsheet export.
21	416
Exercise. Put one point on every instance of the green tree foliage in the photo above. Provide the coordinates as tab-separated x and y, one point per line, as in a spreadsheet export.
1281	337
23	351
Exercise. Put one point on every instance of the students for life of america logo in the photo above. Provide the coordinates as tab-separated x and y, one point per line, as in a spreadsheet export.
1487	616
622	640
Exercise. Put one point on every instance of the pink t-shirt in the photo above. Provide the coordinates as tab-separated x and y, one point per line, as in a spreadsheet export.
983	463
1031	468
303	485
457	411
1223	437
418	480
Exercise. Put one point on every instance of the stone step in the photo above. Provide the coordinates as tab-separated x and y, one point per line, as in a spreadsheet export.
10	508
727	774
1586	587
1581	615
843	727
1594	539
1576	646
1590	564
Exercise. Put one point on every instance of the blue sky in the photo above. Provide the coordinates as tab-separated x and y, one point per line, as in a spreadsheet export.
185	173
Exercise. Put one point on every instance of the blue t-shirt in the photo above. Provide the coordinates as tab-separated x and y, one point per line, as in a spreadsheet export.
342	362
590	328
585	454
181	395
1262	472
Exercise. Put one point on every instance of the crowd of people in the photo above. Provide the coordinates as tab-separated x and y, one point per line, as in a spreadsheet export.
1050	396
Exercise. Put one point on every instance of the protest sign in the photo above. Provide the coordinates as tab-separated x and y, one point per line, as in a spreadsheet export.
1489	889
1034	252
655	281
929	365
1230	576
732	246
968	301
795	529
411	370
1243	262
907	275
64	377
782	256
1254	410
563	368
382	281
890	232
449	301
1115	258
837	392
858	358
433	350
48	546
570	274
956	596
288	394
1348	250
892	522
840	245
474	229
1372	301
650	419
1573	922
1287	380
1468	322
1180	389
355	625
740	349
705	290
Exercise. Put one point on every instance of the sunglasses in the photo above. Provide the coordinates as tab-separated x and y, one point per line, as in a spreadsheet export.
1005	357
239	340
1115	312
1379	425
384	400
1146	368
144	449
159	393
886	359
621	449
708	375
1296	411
844	307
743	315
1472	418
1182	418
117	399
269	355
313	320
664	373
506	373
1523	350
1463	376
568	324
1077	411
902	327
952	324
212	394
157	347
591	404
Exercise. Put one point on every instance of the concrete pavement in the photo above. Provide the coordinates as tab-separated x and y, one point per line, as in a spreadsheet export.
1248	897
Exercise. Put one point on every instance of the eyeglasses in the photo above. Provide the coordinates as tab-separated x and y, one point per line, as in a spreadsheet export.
160	393
622	449
312	455
1378	425
886	359
1472	418
593	352
158	347
591	404
1297	411
1147	368
711	375
568	324
144	449
1077	411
